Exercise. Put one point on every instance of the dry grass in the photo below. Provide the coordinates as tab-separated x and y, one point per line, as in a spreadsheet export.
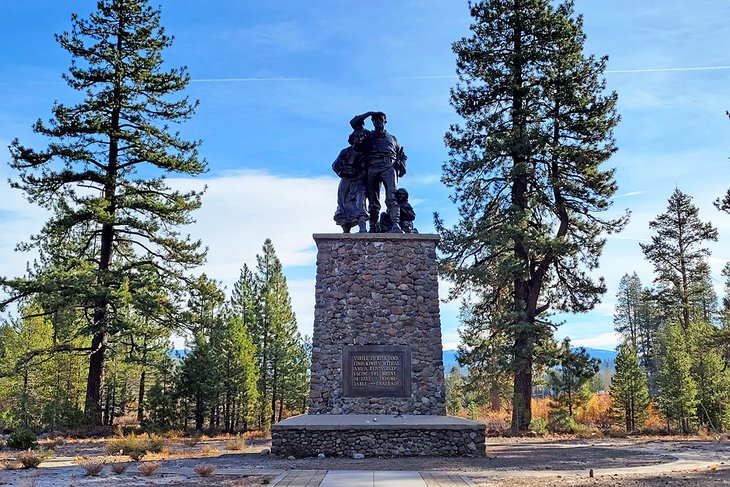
236	444
204	469
149	468
192	441
250	481
119	468
259	434
29	459
53	443
5	463
209	450
135	446
92	469
173	434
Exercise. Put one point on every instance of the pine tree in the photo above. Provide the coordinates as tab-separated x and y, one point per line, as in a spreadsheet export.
98	175
275	333
454	391
677	389
629	389
39	389
711	377
160	400
525	171
724	312
484	349
197	381
570	383
678	254
235	373
626	317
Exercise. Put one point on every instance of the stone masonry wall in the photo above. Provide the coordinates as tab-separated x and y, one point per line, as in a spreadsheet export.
377	289
379	442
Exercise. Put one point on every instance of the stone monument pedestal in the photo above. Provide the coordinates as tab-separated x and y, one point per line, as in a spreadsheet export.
341	435
377	383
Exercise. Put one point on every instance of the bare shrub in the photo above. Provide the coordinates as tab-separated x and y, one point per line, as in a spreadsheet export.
192	441
149	468
29	459
92	469
119	468
236	444
204	469
135	446
261	434
209	450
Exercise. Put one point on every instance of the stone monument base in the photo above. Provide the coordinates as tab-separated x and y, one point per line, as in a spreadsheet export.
342	435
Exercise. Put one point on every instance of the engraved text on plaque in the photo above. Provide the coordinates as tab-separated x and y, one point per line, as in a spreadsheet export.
376	371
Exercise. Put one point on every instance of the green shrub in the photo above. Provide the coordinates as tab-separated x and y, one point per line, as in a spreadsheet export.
22	439
539	426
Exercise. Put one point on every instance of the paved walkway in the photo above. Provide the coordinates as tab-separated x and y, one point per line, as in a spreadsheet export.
365	478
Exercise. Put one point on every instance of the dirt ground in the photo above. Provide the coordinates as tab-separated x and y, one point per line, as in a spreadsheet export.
516	462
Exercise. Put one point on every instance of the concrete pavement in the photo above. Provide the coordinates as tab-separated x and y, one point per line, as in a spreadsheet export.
369	478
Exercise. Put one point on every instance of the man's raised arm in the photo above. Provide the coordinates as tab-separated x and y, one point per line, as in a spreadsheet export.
358	121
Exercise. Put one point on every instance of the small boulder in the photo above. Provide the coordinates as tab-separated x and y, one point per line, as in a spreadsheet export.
321	456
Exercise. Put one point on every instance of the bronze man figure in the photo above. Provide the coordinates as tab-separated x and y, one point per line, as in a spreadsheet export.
385	162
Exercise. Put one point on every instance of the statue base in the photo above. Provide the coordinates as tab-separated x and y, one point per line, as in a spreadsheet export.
342	435
377	378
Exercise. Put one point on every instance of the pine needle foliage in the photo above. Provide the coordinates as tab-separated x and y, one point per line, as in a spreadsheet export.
525	171
629	389
112	241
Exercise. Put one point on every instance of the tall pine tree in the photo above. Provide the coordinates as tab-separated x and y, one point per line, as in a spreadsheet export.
569	382
679	256
100	175
628	305
629	389
525	170
677	388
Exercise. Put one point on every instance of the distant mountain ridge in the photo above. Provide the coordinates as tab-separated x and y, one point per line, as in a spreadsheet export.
607	357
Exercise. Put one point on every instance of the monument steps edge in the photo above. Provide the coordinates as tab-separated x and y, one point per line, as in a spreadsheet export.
377	422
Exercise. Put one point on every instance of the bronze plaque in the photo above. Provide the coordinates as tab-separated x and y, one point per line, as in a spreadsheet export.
376	371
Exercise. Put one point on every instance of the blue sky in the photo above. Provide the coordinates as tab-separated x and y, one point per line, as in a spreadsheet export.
279	81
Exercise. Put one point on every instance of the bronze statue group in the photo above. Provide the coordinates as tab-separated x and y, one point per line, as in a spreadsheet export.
374	158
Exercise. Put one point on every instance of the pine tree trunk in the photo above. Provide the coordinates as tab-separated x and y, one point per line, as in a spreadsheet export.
24	401
199	411
93	406
522	391
521	407
274	392
140	405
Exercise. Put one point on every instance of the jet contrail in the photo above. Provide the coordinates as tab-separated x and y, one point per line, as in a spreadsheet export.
660	70
234	80
612	71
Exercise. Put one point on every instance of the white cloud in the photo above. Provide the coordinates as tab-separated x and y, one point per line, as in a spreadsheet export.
241	209
605	341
